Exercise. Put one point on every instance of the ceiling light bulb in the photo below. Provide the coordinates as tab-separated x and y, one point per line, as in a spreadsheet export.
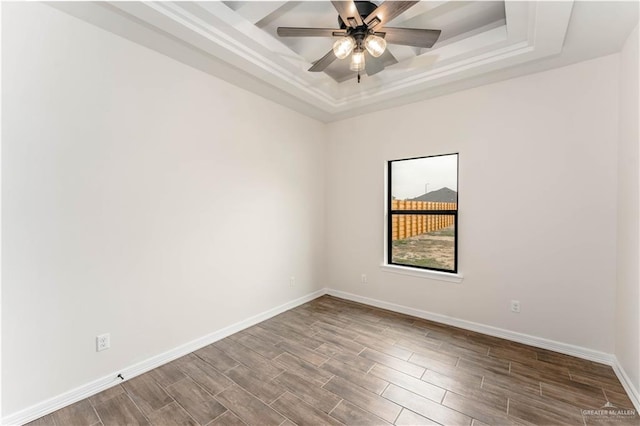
343	46
357	61
375	45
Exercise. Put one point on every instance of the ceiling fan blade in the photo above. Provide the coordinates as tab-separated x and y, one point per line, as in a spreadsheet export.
386	12
348	12
309	32
410	36
375	65
323	62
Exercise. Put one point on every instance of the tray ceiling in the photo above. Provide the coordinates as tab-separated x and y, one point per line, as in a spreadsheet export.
237	41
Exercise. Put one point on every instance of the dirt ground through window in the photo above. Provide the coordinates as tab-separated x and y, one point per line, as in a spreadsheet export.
433	249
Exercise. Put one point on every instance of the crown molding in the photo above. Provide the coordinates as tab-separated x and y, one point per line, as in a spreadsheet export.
216	39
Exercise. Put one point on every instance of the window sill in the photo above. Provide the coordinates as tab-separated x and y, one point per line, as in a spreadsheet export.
422	273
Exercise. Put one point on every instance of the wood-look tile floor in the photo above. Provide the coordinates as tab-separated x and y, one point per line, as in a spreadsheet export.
336	362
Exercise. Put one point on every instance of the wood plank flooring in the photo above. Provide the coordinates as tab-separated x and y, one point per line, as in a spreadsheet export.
336	362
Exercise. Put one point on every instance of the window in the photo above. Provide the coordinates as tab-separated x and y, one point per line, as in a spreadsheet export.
422	213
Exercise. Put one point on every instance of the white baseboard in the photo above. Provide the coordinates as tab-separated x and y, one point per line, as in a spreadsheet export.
632	391
539	342
99	385
46	407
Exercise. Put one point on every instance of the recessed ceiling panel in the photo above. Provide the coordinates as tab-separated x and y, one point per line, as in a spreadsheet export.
238	41
452	18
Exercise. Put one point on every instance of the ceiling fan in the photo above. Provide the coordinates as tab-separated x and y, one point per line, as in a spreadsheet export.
362	30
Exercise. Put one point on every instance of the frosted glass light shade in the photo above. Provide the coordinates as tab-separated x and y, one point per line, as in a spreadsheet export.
357	61
343	47
375	45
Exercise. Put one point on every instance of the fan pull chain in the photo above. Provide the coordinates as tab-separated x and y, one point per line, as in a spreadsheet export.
358	77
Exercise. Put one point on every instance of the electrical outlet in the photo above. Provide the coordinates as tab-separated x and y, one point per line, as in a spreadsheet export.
292	281
515	306
363	278
103	342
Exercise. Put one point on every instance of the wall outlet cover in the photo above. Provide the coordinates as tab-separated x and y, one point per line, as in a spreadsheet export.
103	342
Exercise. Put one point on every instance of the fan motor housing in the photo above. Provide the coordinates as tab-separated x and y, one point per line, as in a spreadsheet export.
364	9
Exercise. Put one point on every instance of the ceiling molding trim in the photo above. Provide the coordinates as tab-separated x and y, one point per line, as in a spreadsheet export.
549	18
194	23
528	31
179	22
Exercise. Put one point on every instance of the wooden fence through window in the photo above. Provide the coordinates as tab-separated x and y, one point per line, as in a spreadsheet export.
409	225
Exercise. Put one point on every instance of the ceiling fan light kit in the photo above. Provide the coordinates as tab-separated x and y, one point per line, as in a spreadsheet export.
357	61
343	47
362	28
375	45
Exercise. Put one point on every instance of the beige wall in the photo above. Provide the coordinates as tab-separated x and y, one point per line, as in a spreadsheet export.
627	326
537	206
142	198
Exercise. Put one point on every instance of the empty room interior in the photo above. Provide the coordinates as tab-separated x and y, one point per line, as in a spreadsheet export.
316	212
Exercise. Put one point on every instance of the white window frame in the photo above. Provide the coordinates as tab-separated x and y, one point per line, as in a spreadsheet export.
407	270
